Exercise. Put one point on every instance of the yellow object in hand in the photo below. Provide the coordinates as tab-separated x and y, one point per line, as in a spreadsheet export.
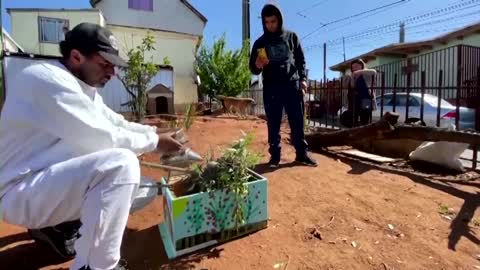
262	53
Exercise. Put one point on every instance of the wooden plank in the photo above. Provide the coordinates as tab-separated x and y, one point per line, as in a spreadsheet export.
368	156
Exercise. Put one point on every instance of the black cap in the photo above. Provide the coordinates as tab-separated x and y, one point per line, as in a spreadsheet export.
90	38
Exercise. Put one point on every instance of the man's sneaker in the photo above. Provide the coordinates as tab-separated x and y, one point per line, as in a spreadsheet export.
306	160
61	238
122	265
274	162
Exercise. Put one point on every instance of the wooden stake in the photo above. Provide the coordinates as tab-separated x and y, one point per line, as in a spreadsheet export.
164	167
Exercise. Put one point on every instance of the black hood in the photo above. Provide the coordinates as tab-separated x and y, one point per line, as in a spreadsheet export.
272	9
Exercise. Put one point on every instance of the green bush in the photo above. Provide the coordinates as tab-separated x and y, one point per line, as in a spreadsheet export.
221	71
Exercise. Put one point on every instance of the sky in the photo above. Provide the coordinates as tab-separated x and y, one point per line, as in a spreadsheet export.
306	17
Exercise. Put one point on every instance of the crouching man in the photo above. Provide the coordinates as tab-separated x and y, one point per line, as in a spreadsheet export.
65	156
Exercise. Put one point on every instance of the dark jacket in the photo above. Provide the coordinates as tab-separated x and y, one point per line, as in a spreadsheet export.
285	54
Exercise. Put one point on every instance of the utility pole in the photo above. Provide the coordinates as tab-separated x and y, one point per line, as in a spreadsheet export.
344	54
402	32
246	21
325	62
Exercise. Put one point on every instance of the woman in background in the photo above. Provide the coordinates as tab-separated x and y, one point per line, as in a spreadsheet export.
362	100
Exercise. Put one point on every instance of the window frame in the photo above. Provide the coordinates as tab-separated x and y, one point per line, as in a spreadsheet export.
137	9
66	24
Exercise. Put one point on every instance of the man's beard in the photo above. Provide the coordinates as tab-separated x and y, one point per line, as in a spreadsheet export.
85	74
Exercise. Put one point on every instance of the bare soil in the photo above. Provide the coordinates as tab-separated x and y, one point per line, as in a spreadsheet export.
343	214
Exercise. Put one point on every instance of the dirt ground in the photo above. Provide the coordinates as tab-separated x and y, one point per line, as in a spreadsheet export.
341	215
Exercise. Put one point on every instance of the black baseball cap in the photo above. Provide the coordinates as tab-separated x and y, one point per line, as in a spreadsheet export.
91	38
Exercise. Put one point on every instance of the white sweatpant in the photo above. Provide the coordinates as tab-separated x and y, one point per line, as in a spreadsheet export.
97	188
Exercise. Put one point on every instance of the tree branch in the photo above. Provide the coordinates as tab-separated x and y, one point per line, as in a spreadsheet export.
126	87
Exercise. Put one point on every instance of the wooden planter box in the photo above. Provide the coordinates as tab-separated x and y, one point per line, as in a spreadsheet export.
204	219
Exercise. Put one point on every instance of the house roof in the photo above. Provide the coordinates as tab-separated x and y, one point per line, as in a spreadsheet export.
7	36
51	9
404	49
160	89
185	2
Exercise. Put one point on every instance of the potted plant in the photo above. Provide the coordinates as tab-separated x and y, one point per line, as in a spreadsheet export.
224	200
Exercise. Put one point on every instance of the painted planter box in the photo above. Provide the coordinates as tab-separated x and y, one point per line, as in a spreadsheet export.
204	219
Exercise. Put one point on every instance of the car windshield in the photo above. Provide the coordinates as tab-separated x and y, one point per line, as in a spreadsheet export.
433	101
414	100
400	100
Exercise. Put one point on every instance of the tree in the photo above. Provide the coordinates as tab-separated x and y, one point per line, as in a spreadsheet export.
137	75
221	71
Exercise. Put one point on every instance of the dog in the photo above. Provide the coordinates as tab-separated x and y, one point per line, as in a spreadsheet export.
236	105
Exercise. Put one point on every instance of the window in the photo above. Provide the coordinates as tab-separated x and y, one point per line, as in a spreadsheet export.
401	101
52	30
146	5
386	100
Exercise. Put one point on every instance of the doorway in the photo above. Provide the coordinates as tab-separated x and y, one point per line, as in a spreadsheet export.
161	104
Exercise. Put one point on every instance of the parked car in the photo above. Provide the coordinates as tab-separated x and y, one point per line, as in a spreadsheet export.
448	112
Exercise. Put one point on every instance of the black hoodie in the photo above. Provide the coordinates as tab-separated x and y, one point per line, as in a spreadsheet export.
285	54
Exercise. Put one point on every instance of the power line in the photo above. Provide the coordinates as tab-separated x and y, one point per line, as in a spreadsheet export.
362	18
354	16
388	31
477	12
409	20
318	3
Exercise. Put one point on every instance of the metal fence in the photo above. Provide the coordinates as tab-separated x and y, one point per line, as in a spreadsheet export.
458	64
326	102
330	102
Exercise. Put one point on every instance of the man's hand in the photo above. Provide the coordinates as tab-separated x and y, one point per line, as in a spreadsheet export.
168	145
261	62
304	87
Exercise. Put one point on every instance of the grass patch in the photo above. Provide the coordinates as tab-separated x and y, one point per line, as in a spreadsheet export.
443	209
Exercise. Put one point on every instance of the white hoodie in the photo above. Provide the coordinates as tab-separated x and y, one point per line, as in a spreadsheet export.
50	116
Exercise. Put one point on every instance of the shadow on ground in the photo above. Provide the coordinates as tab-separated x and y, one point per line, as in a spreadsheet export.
265	168
460	225
144	250
25	254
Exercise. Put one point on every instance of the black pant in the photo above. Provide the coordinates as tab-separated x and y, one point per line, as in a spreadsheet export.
286	96
364	116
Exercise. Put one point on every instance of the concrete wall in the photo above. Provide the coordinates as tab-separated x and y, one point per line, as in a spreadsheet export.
179	48
167	15
25	28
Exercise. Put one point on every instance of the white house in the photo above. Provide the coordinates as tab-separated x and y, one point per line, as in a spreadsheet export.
175	24
9	44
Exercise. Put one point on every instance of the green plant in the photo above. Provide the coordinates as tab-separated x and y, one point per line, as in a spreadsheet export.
443	209
476	222
166	61
172	123
221	71
229	173
190	112
137	75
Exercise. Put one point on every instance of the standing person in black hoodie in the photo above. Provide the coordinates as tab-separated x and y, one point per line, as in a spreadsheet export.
284	83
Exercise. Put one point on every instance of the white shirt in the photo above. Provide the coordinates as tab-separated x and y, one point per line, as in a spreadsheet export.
50	116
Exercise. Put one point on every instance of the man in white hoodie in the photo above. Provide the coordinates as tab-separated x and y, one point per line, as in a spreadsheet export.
65	156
